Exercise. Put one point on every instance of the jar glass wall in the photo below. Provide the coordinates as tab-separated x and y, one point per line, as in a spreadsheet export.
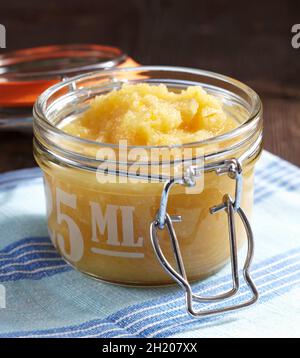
103	228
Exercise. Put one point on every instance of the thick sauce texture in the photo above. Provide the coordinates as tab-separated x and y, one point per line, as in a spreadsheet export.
146	114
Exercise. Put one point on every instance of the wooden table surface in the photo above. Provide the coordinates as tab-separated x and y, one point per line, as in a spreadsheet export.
250	41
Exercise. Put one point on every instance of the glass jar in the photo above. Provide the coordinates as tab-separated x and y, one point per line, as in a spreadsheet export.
26	73
127	231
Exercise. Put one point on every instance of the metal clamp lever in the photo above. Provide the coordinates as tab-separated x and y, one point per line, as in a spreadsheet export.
234	170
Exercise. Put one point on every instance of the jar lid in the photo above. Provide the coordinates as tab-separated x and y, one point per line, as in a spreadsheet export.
25	73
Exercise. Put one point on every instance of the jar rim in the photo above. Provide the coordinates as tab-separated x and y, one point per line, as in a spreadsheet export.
248	124
28	64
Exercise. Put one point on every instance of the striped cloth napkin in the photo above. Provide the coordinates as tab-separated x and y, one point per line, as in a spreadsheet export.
41	296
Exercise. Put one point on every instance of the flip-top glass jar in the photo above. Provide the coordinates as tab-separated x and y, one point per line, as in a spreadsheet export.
119	230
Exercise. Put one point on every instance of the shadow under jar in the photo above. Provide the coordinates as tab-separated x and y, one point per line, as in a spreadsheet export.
125	230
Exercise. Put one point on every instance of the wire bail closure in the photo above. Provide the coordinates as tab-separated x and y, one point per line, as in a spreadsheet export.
233	168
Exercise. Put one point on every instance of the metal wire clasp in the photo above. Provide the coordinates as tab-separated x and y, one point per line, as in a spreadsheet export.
233	169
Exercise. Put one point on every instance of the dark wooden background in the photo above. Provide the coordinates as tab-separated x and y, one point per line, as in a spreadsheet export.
249	40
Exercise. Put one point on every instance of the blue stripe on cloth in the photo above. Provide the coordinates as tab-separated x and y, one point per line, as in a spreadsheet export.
176	316
272	169
21	177
166	315
269	178
188	324
271	165
290	180
30	258
21	174
25	245
259	198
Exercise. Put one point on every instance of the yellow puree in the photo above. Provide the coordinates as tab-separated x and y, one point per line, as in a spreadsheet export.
152	115
103	229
